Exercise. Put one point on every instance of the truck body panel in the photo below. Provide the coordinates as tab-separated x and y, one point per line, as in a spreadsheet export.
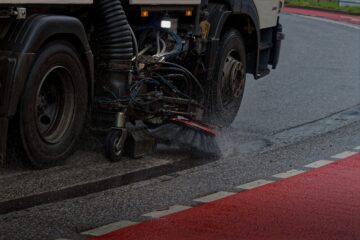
165	2
57	2
135	2
268	11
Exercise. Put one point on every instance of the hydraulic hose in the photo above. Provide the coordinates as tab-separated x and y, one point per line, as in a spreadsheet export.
113	32
114	42
193	77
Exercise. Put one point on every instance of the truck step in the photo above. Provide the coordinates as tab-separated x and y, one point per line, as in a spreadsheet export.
265	46
262	73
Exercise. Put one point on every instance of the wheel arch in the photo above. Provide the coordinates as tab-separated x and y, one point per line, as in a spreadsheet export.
22	42
245	19
250	34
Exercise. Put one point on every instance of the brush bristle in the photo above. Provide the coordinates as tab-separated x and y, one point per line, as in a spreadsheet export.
200	144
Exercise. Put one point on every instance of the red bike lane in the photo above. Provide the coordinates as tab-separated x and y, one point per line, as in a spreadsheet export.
342	17
320	204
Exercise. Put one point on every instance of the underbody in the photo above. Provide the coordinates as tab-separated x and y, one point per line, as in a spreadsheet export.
154	62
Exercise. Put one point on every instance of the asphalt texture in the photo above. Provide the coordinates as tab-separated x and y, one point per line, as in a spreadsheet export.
317	205
306	110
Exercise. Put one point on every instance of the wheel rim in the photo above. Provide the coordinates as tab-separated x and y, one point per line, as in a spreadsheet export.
55	101
232	82
117	147
117	152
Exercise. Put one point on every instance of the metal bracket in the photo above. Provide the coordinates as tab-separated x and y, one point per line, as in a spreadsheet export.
139	142
19	13
120	120
120	144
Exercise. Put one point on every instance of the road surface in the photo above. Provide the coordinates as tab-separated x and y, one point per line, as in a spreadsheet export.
306	110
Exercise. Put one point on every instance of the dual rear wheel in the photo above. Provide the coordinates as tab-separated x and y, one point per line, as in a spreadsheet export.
54	104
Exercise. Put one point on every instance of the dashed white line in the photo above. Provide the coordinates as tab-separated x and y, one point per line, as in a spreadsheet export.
343	155
288	174
167	211
108	228
318	164
214	197
254	184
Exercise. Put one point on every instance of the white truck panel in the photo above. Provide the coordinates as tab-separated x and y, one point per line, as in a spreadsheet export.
134	2
268	11
165	2
45	2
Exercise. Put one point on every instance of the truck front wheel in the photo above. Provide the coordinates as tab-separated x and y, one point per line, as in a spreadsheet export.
227	88
54	105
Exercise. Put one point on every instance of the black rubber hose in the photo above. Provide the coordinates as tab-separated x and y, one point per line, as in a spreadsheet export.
113	33
193	77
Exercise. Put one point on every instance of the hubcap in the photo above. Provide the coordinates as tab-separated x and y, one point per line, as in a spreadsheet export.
232	79
55	104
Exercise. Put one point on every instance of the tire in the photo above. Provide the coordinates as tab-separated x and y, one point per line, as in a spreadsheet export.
226	93
54	105
111	151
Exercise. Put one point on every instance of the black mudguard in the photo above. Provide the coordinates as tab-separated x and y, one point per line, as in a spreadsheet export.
219	14
20	40
19	43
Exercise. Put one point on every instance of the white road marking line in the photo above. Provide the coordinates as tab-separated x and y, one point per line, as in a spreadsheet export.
213	197
108	228
318	164
357	148
254	184
343	155
288	174
170	210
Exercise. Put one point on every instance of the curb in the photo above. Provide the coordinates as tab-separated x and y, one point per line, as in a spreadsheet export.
323	10
212	197
82	189
337	17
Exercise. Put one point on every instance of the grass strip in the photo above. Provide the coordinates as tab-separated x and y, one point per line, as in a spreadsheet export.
334	6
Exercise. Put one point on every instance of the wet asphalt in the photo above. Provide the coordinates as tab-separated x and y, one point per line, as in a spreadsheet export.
308	109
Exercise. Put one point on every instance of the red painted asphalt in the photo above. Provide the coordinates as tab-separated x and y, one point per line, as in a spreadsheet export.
328	15
320	204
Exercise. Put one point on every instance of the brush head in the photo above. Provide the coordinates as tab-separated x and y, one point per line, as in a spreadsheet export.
199	139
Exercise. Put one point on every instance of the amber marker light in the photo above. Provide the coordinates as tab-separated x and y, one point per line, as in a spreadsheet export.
144	13
188	13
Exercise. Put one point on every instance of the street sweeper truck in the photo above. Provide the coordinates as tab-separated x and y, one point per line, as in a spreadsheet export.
176	68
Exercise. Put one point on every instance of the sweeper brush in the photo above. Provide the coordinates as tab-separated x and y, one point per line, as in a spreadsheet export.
199	139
